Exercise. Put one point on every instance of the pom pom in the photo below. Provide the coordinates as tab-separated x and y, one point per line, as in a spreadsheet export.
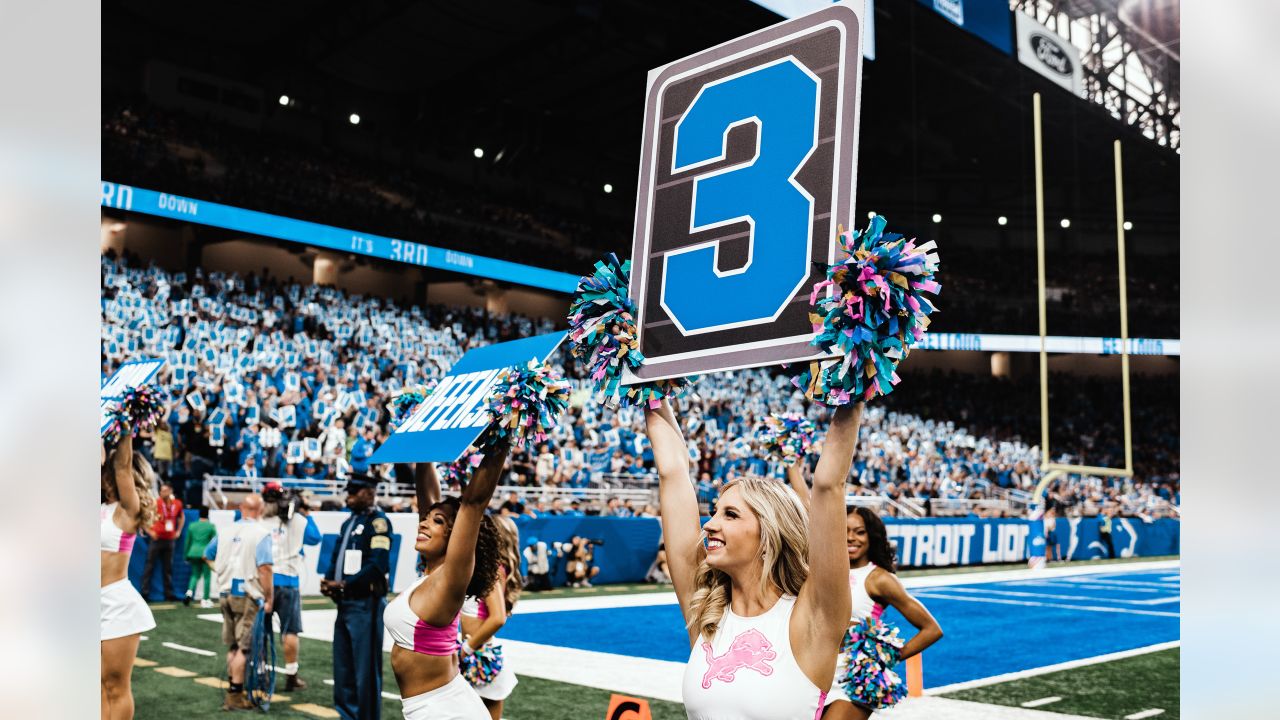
869	652
403	404
139	409
787	437
458	472
602	330
876	314
482	666
525	405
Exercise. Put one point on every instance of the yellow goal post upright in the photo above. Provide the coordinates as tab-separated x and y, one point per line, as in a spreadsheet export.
1051	471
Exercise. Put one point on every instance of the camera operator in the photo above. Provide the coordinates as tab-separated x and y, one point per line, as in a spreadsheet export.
291	525
539	575
581	552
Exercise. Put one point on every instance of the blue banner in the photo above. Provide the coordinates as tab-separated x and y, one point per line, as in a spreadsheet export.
443	425
990	20
176	207
939	542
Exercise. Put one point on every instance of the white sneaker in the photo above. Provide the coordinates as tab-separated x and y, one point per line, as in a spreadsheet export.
206	604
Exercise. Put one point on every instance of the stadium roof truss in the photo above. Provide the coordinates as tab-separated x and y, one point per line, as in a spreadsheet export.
1130	54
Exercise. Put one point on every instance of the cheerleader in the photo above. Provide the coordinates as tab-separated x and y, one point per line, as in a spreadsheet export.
482	618
459	545
763	586
127	504
874	587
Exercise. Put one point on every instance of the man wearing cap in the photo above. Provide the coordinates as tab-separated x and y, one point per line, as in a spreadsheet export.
356	580
291	528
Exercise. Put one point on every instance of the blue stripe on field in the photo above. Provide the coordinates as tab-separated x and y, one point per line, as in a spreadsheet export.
982	639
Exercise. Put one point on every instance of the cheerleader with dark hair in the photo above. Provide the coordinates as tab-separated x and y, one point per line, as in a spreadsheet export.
459	545
865	680
481	653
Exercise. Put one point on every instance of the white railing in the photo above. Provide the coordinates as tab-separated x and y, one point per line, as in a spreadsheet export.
640	496
885	505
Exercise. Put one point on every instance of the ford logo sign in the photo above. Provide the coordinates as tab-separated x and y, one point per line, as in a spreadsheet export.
1051	54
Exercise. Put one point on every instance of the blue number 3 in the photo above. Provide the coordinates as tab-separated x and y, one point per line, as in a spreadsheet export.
781	99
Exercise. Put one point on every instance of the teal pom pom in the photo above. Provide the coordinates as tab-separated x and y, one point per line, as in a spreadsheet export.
602	330
139	409
870	651
482	666
403	405
525	405
871	309
787	437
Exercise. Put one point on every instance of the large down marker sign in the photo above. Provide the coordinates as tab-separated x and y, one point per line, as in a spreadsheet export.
747	168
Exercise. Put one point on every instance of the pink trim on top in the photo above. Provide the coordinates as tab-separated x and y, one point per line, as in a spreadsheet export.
435	640
877	610
126	542
822	705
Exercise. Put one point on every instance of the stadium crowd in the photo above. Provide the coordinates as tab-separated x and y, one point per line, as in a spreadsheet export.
280	380
987	291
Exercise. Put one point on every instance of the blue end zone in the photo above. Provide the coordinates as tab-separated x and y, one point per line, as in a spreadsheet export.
991	628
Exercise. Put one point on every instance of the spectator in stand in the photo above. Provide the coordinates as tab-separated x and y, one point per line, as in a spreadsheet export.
162	451
199	534
250	467
512	506
164	533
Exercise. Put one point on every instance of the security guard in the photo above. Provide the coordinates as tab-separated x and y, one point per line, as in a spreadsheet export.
357	582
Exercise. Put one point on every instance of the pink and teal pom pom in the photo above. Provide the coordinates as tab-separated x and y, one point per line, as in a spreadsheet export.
482	666
602	330
403	405
458	472
787	437
870	651
526	404
871	309
139	409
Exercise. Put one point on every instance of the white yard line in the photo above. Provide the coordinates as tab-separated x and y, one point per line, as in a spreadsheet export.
1082	586
1041	701
193	651
1048	596
1069	665
1145	714
1085	608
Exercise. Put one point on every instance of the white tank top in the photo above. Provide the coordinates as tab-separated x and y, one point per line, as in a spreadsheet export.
110	537
749	672
863	605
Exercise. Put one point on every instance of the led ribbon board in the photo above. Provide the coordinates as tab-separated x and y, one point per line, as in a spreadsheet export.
129	375
441	427
748	166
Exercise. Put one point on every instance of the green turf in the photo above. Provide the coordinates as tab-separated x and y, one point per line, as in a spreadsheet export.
1106	690
160	697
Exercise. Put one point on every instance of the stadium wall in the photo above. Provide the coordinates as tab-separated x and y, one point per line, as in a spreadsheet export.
631	544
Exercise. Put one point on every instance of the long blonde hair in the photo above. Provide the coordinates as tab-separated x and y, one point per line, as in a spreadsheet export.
784	550
143	476
509	552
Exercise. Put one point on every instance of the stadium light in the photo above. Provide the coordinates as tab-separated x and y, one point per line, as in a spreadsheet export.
1065	223
478	152
608	188
355	119
284	100
1002	220
1128	225
871	215
937	218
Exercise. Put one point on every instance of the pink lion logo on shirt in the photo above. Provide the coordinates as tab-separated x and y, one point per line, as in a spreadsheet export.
750	649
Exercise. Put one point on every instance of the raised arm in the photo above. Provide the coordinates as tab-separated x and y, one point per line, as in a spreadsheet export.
795	476
122	468
460	559
427	485
822	611
681	530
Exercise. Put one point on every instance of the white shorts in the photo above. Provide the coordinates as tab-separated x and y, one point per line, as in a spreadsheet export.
502	685
454	701
124	612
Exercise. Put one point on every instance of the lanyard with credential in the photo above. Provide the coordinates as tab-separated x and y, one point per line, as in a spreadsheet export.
338	568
